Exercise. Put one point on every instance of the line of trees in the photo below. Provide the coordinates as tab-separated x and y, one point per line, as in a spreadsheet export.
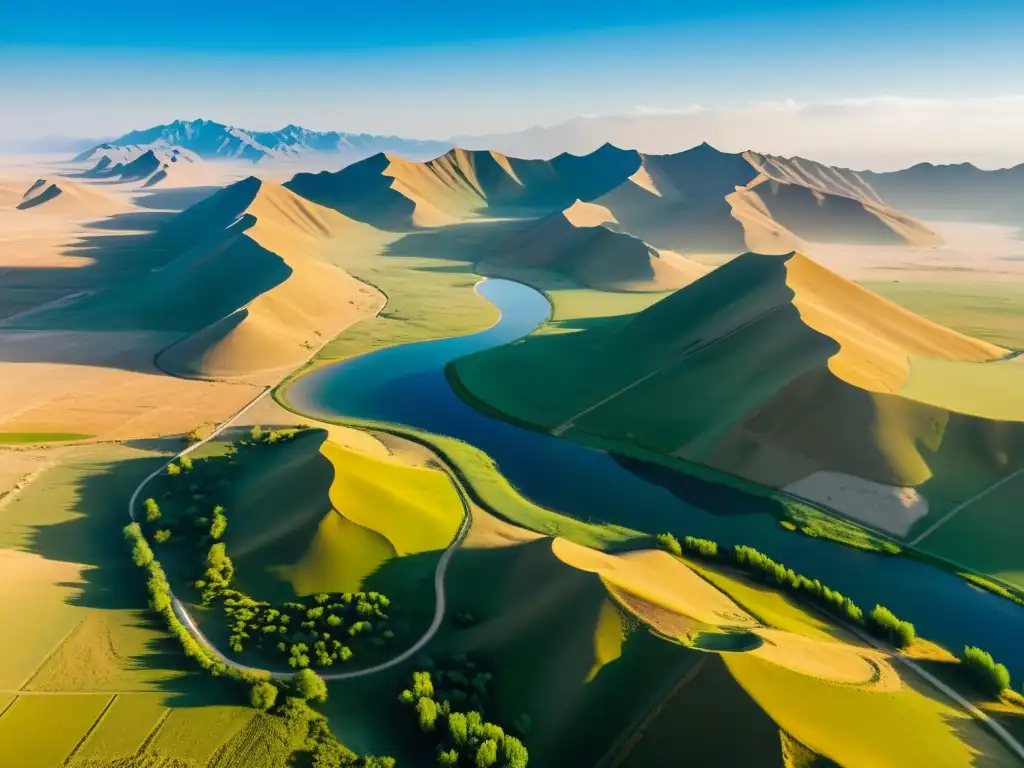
450	705
987	675
881	622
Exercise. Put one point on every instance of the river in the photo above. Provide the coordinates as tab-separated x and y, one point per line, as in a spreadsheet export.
407	385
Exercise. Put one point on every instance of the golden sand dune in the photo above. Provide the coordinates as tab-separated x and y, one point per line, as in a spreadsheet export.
389	191
298	300
703	200
152	167
581	242
69	198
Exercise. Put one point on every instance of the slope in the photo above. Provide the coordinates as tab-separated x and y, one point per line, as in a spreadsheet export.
242	280
392	192
582	244
756	368
164	166
69	198
704	200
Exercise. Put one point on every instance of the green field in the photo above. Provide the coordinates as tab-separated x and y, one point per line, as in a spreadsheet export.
43	731
993	311
12	438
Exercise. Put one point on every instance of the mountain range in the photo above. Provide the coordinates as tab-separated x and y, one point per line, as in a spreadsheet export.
211	140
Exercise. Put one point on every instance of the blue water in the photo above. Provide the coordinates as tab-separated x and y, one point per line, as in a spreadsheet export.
407	385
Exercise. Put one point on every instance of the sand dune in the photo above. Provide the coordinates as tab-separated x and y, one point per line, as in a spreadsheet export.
243	281
704	200
581	243
69	198
151	167
392	192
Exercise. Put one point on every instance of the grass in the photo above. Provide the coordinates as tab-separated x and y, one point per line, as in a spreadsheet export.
415	509
993	311
197	734
41	731
14	438
857	726
124	728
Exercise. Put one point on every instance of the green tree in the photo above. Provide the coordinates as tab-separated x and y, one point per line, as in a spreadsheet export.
256	433
448	759
218	524
310	686
422	685
988	676
458	729
186	463
152	510
406	697
487	754
263	695
173	470
427	709
161	536
514	753
670	544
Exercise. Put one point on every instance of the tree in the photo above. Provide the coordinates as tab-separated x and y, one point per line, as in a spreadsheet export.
448	759
173	470
310	686
422	685
263	695
186	463
487	754
152	510
514	753
427	709
406	697
161	536
670	544
458	729
988	676
256	433
219	524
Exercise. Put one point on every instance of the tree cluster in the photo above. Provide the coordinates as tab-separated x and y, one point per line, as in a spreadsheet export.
884	623
450	705
309	736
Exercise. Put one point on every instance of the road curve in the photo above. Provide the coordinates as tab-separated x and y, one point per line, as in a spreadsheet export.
439	573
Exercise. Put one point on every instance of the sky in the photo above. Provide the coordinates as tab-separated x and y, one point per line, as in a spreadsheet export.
434	70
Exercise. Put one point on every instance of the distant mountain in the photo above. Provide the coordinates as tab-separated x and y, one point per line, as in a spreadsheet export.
211	140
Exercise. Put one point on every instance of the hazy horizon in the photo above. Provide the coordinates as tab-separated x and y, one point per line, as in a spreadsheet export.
945	74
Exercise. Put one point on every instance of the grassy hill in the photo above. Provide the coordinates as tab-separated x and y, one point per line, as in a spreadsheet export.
582	244
756	368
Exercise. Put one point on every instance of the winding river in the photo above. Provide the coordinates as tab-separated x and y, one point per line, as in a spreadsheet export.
407	385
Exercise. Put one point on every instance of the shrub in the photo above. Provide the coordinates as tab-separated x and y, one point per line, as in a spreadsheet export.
670	544
152	510
161	536
987	676
487	754
448	759
310	686
427	709
458	729
702	547
263	695
186	463
219	524
173	470
256	433
514	753
885	624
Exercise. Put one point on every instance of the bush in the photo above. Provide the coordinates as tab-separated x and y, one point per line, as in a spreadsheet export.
219	524
487	754
886	625
427	709
448	759
987	676
152	510
514	753
670	544
161	536
263	695
186	463
458	729
702	547
310	686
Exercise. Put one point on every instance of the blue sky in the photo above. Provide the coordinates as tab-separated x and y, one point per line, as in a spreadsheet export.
438	69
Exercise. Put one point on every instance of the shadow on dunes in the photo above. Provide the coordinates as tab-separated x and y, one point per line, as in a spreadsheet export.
173	199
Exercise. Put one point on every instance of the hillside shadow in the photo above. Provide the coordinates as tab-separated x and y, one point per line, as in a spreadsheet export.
468	241
135	221
175	199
